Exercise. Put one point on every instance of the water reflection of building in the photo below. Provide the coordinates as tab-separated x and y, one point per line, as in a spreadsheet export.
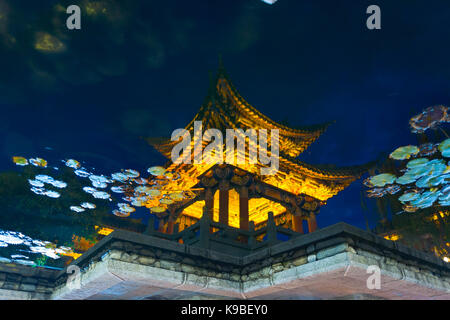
239	196
240	235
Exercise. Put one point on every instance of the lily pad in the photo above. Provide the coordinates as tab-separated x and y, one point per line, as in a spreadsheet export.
444	148
383	179
404	153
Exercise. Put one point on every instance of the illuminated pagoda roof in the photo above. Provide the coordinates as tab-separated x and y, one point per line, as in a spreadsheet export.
224	108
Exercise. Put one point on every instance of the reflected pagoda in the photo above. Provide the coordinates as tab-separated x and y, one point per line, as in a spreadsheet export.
238	195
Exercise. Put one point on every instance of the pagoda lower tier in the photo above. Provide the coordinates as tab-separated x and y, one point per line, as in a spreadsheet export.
238	198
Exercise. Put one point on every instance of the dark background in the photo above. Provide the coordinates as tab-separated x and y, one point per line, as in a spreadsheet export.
140	68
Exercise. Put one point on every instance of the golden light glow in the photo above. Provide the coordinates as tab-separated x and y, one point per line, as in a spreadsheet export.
258	209
103	231
293	182
228	110
442	214
74	255
45	42
392	237
298	179
95	8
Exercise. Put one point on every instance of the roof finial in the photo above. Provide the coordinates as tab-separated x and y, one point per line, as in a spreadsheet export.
220	61
212	83
221	67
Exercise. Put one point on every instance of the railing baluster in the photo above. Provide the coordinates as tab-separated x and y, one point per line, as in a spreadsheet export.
271	229
151	226
251	239
204	230
226	234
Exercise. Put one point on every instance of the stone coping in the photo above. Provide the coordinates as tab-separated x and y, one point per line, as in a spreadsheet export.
312	242
308	244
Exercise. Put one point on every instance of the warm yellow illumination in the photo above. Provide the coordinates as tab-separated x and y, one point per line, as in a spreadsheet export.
103	231
230	111
72	254
45	42
442	214
95	8
392	237
258	209
298	179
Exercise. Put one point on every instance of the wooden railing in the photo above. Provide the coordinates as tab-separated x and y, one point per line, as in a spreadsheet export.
214	235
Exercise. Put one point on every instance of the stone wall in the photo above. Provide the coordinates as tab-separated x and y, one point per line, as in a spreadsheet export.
24	282
327	264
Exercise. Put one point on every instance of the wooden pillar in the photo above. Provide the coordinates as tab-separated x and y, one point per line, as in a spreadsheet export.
243	208
160	225
209	202
252	239
297	224
224	200
312	223
170	226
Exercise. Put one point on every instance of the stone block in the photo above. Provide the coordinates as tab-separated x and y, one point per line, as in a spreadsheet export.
299	261
27	287
324	253
146	260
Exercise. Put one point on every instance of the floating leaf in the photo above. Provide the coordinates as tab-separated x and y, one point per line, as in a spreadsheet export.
38	162
20	161
71	163
82	173
77	209
166	201
36	183
88	205
444	147
406	179
52	194
427	149
158	209
156	171
409	196
101	195
376	193
119	176
383	179
429	118
393	189
404	153
131	173
120	213
141	181
419	162
125	207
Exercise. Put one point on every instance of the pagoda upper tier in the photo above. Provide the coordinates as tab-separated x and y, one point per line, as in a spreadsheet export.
224	108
